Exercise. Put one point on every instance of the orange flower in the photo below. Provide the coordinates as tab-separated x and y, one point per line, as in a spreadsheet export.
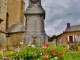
60	54
66	50
54	51
46	55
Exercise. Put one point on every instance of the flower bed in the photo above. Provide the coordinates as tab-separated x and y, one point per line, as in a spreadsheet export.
46	52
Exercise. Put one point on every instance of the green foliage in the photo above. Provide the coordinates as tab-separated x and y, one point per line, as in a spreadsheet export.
0	55
6	53
53	37
38	53
60	48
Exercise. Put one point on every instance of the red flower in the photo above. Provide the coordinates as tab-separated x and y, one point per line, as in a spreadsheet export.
47	45
46	59
60	54
66	50
54	51
43	43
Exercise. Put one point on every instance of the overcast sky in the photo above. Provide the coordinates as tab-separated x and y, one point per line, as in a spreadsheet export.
58	13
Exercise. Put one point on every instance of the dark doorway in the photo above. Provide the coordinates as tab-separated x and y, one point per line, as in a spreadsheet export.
71	39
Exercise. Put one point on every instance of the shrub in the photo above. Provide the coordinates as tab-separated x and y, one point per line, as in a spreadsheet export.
46	52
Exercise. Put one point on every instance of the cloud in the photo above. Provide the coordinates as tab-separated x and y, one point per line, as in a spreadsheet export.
58	13
62	10
51	29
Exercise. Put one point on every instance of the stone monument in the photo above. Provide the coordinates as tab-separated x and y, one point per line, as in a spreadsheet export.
34	25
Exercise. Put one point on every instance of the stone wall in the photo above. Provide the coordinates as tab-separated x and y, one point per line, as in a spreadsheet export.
15	39
2	40
11	42
3	24
3	14
15	10
54	43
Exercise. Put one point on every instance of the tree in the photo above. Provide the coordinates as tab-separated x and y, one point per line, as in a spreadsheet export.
53	37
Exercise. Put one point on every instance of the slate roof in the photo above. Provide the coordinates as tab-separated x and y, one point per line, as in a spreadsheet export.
16	28
73	28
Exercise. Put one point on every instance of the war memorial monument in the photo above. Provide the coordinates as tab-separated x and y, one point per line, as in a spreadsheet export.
34	25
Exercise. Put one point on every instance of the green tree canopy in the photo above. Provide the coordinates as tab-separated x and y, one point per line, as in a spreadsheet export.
51	38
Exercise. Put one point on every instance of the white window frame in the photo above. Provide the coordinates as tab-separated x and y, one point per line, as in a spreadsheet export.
73	38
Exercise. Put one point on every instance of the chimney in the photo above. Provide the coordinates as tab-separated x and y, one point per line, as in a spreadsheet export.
68	25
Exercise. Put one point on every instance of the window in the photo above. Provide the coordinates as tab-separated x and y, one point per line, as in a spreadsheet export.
78	38
71	39
7	19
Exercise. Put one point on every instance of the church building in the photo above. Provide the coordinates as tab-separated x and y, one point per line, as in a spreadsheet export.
11	22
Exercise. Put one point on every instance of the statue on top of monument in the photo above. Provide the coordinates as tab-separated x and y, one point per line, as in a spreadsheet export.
32	2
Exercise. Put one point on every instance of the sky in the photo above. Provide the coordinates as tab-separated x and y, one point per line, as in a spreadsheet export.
59	13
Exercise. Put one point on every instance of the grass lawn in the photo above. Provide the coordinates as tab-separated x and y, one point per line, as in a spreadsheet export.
75	55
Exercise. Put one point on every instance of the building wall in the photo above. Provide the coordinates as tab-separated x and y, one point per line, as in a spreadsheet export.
11	42
2	40
3	10
15	39
3	14
15	10
65	36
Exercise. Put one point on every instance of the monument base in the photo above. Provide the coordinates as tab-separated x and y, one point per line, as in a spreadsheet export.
36	38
